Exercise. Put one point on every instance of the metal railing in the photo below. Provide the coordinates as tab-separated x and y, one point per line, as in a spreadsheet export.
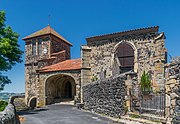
153	103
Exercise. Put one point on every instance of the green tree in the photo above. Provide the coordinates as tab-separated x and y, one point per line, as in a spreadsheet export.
10	52
3	105
145	83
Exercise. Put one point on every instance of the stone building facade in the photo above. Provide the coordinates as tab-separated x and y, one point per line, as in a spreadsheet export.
51	76
137	50
112	66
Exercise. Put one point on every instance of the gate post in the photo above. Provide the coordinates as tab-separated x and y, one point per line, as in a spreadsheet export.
85	67
129	87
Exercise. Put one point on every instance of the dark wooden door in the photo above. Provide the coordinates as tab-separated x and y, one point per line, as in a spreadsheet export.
125	55
68	90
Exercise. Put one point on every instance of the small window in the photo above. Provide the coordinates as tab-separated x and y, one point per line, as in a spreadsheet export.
34	47
39	46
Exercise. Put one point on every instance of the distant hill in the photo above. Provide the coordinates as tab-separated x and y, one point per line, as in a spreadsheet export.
5	96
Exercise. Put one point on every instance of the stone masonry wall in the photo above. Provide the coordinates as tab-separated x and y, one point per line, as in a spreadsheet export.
106	96
173	91
32	64
8	116
101	59
58	45
150	56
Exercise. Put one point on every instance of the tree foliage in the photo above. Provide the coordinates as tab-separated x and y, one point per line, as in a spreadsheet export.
3	105
10	52
145	82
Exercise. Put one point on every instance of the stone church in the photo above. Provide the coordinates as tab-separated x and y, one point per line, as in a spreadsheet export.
51	76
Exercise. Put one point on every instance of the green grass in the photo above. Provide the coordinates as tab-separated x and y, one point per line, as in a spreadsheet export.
158	121
135	116
3	105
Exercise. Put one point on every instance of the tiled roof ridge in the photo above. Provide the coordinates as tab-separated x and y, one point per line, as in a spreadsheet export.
34	34
151	29
47	30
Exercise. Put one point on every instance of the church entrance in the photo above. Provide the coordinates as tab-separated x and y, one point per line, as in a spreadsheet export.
68	90
60	88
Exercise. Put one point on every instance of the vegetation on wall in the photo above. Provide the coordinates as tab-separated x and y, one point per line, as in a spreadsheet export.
145	83
94	78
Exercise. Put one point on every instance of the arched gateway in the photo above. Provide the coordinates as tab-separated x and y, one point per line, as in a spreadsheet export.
59	88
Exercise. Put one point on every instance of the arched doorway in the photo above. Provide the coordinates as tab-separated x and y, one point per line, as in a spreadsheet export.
32	102
60	88
125	55
68	90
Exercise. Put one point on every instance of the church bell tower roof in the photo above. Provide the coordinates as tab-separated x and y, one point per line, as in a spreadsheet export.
45	31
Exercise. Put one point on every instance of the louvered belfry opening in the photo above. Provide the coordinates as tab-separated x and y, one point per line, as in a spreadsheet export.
125	55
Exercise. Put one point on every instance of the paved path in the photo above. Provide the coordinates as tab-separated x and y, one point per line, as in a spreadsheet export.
63	114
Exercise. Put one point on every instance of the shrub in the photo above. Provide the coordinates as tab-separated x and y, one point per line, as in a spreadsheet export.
145	83
3	105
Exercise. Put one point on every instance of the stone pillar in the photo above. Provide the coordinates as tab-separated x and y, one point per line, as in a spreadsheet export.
40	89
85	67
129	86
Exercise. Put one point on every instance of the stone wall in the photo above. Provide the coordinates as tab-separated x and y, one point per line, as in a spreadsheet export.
149	54
59	45
173	91
106	96
9	116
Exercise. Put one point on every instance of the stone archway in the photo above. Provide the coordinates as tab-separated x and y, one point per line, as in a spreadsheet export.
60	88
124	57
32	102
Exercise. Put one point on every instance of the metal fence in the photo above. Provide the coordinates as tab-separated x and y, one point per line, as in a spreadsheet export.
153	103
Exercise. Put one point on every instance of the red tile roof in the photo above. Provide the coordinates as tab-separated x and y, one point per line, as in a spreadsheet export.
44	31
129	32
74	64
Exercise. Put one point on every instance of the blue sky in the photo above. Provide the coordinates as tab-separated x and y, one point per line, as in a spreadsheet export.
79	19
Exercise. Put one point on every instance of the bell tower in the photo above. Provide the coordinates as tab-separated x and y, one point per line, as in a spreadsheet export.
42	48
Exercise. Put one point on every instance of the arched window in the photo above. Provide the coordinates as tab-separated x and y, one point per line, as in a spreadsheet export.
125	54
